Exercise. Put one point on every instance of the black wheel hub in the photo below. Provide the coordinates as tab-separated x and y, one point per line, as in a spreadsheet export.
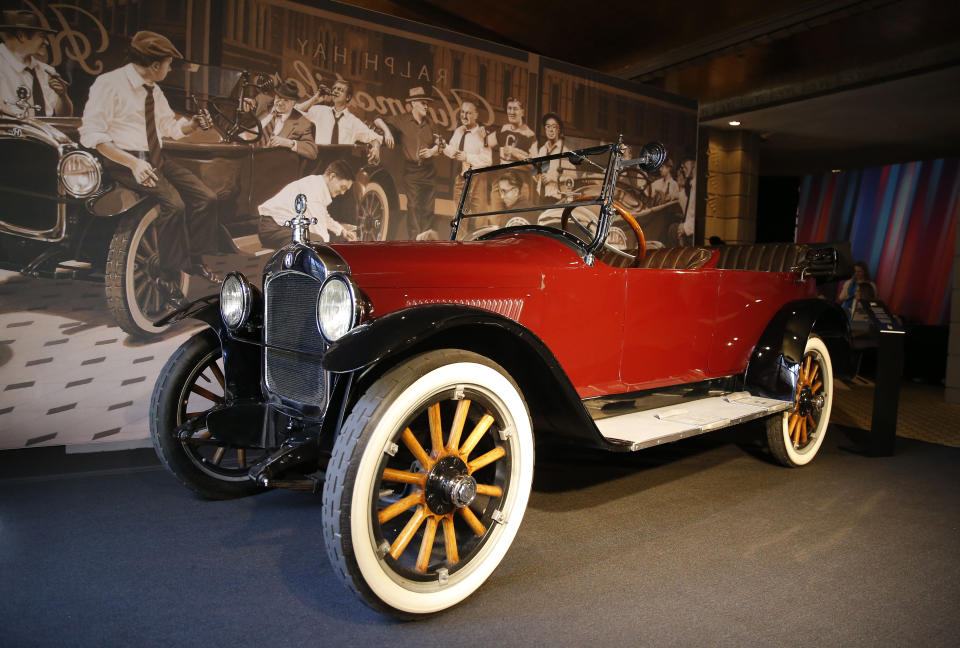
449	486
808	403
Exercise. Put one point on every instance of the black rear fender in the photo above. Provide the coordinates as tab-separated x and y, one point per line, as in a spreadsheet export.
772	371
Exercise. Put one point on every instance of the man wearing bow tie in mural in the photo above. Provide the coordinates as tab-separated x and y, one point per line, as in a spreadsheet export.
24	78
468	145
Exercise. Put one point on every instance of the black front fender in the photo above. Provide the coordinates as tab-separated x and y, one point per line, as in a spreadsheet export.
385	336
773	367
553	401
241	358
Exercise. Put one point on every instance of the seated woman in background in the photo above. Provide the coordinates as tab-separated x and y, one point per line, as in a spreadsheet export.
861	276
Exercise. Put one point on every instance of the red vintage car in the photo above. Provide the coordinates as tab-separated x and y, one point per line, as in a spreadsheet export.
407	380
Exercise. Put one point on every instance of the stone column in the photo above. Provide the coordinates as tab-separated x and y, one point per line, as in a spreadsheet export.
732	161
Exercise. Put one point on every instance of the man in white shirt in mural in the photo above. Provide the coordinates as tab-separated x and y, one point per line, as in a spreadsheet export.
335	124
468	145
125	119
23	75
320	190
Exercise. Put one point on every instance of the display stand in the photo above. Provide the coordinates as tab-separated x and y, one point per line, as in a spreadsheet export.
886	393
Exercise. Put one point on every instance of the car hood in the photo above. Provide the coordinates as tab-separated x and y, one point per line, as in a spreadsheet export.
518	261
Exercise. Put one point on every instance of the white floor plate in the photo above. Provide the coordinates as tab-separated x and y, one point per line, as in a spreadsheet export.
666	424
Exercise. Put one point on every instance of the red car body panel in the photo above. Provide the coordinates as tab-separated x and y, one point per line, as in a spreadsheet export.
658	327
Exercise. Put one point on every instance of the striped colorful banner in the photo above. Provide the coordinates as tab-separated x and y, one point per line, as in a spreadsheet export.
901	220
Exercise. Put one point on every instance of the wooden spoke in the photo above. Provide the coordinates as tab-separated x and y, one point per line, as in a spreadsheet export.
404	477
472	521
417	450
399	507
802	431
241	458
191	415
813	375
426	545
805	376
458	420
492	491
215	369
407	534
794	422
450	540
816	387
139	288
436	428
218	455
206	393
152	239
482	426
485	459
811	425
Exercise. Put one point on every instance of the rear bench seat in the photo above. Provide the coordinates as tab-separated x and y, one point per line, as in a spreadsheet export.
761	257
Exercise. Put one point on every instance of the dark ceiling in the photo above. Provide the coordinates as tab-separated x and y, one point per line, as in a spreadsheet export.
825	83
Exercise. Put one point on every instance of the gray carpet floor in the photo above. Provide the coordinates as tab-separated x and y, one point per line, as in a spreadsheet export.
702	543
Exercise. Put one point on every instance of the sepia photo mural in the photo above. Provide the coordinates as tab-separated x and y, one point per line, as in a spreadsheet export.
263	97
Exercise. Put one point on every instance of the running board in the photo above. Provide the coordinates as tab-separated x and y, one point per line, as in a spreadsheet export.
665	424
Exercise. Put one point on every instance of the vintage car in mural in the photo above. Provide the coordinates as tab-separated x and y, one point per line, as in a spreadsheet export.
407	380
63	217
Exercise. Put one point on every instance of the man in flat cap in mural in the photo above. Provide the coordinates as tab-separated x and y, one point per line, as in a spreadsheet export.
284	126
23	71
420	143
125	119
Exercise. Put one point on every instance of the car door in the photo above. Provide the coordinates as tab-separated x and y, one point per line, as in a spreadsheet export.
668	325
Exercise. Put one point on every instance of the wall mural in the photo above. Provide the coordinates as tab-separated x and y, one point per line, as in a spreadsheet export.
900	220
104	221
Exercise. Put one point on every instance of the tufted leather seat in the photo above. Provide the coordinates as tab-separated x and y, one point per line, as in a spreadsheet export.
676	258
762	257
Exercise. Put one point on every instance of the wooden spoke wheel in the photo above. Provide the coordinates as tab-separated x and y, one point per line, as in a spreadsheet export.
428	482
795	436
373	213
190	384
138	292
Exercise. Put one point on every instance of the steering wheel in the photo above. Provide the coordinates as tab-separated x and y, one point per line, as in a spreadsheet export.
636	257
232	129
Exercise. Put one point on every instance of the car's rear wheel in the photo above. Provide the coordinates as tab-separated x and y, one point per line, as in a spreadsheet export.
795	437
428	482
373	213
190	384
137	293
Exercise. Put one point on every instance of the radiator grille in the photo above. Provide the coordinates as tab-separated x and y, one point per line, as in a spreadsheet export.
30	166
291	323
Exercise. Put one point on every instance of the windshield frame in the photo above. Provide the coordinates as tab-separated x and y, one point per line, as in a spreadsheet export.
604	200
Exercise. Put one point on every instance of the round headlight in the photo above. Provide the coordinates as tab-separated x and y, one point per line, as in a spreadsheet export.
337	307
234	300
80	173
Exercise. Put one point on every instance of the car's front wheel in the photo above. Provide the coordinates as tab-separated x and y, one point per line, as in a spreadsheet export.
137	295
795	437
428	482
190	384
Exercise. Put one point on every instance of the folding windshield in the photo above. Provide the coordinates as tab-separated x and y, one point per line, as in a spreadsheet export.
561	192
